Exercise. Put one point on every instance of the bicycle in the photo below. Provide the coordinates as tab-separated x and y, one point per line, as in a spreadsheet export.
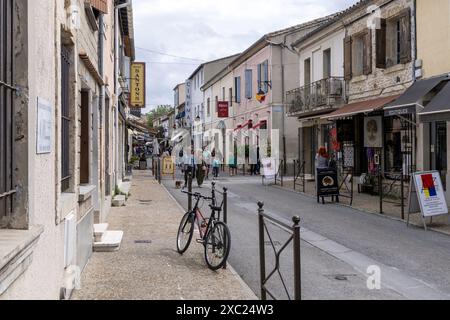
214	234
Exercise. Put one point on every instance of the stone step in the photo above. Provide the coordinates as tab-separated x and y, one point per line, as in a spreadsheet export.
119	201
111	242
99	231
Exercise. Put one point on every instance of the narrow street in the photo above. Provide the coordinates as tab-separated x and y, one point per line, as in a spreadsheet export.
414	263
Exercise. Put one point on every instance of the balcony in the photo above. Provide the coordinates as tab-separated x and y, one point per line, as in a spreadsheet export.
316	97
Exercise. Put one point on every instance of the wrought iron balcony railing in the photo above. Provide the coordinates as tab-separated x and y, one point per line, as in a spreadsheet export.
325	93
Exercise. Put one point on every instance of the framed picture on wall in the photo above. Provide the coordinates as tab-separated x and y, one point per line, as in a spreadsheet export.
373	132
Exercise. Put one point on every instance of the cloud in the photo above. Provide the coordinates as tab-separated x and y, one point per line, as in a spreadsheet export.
207	30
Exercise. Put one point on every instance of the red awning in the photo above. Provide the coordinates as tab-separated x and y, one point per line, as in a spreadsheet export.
366	106
241	126
261	123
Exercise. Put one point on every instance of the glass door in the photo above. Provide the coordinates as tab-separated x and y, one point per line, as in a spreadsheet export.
439	149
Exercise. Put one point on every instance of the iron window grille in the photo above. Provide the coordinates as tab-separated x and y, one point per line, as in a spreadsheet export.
65	119
7	188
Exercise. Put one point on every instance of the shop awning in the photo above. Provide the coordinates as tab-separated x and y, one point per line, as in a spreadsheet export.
439	108
408	100
360	107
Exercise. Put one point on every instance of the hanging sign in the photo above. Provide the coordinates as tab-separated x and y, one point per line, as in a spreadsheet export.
427	196
137	91
222	108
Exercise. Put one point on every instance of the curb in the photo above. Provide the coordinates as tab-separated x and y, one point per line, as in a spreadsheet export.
420	226
244	285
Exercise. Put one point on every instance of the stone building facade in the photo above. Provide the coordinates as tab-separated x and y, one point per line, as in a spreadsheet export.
62	117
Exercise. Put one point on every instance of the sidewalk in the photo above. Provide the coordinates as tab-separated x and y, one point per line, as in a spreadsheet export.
371	204
147	266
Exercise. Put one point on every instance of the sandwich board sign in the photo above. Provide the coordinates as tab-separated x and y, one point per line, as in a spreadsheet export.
426	196
269	170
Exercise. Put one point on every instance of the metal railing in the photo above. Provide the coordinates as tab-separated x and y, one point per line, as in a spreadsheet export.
294	231
323	93
299	175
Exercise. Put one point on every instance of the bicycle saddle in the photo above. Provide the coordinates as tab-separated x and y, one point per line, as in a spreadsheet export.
217	209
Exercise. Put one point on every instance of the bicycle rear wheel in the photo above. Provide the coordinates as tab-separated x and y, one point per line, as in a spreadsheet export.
217	246
185	232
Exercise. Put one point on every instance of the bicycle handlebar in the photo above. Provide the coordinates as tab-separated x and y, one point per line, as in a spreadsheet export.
197	195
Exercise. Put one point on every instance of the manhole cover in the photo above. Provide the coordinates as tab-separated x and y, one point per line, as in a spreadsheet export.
143	242
145	201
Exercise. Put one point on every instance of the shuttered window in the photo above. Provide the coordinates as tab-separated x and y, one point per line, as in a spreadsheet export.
381	45
7	188
367	52
263	77
405	37
348	58
393	40
237	86
248	84
65	119
100	5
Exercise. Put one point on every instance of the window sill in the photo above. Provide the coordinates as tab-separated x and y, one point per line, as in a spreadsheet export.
359	78
16	253
85	192
395	68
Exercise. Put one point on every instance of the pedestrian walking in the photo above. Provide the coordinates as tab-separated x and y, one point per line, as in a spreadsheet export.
322	158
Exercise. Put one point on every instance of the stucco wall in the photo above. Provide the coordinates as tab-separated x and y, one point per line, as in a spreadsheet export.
433	36
42	280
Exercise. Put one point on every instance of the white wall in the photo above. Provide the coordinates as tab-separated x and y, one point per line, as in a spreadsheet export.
335	42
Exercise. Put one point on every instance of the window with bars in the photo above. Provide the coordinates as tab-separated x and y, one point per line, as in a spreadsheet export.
7	188
65	119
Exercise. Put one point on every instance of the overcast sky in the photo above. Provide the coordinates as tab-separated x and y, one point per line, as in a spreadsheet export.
207	30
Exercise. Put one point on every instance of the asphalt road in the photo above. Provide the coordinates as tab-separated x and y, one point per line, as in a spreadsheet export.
338	244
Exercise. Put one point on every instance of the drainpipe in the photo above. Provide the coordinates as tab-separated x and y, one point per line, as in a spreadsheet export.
116	91
101	104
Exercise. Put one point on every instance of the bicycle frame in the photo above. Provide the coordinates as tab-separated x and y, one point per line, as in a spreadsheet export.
199	218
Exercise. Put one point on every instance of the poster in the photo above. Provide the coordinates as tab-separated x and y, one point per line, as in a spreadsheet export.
44	127
430	194
373	129
168	166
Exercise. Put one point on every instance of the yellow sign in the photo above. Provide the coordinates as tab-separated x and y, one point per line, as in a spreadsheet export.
168	166
137	92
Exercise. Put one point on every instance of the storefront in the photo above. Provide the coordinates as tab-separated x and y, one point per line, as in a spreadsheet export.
361	135
435	118
428	99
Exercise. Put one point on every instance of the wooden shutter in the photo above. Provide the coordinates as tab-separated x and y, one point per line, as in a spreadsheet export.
100	5
348	58
248	84
266	76
405	37
367	38
381	45
259	78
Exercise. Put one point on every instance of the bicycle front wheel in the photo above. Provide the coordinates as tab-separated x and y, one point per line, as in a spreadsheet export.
217	246
185	232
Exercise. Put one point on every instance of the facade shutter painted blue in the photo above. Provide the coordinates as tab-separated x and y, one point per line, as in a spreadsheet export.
248	84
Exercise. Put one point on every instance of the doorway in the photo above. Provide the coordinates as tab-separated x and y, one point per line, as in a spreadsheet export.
438	146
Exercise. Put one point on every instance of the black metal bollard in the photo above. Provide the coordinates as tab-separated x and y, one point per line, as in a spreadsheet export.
190	191
402	194
297	259
159	170
262	253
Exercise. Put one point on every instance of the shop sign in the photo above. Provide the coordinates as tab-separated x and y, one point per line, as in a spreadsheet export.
399	112
327	183
137	91
222	108
430	194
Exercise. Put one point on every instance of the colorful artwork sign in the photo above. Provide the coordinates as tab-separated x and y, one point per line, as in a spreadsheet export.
430	194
